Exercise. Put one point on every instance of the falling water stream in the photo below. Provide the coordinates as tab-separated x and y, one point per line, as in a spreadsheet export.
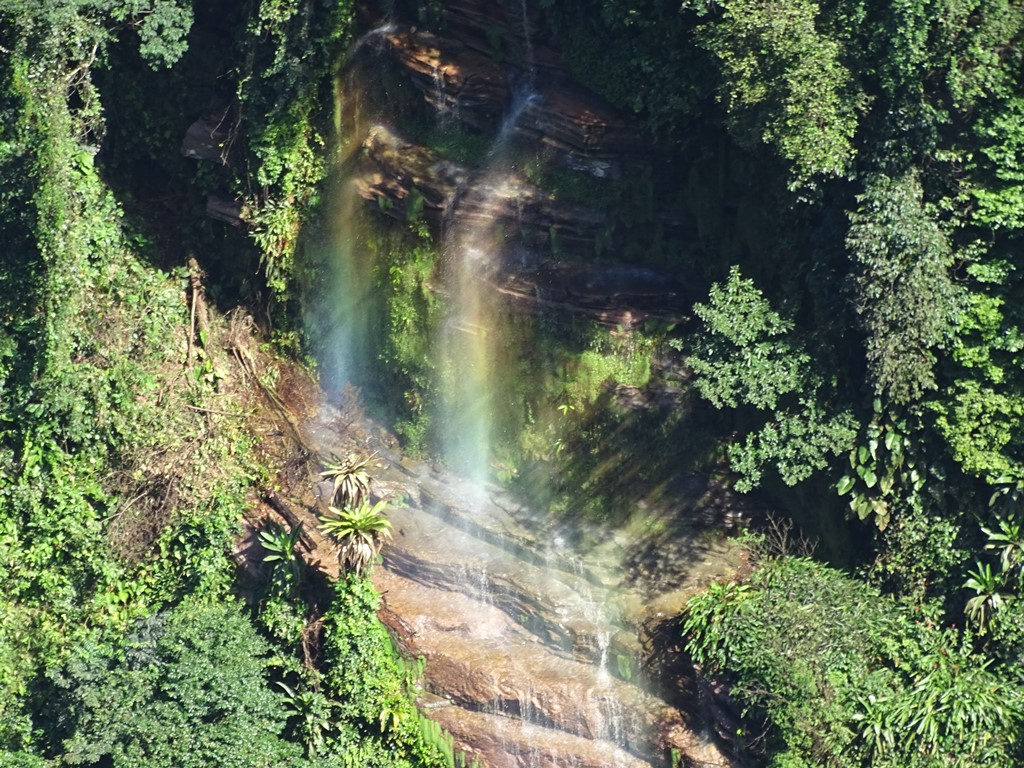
532	640
467	341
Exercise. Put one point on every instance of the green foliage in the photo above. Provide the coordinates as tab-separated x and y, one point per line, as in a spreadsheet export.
797	442
315	715
22	760
711	617
292	48
958	45
1007	538
280	544
746	354
784	83
1000	202
884	470
980	423
359	532
372	685
613	360
950	710
455	143
637	55
78	31
847	677
997	586
162	28
281	611
120	487
907	302
190	691
988	598
412	315
977	417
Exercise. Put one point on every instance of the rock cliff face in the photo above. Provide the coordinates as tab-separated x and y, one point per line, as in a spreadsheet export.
494	72
575	125
524	641
525	223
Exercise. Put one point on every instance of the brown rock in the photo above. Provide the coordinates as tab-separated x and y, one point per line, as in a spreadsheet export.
479	92
491	663
452	79
496	741
207	138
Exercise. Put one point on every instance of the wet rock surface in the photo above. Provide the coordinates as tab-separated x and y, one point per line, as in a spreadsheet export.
534	651
537	633
507	741
518	221
467	77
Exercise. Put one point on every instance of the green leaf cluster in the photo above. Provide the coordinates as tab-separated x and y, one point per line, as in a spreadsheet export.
906	299
784	83
287	78
374	687
747	355
190	690
849	677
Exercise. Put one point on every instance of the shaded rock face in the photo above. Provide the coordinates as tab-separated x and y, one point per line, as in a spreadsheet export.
524	222
561	116
453	79
512	29
494	71
396	171
208	137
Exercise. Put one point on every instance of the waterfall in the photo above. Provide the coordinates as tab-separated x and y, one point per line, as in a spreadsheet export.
471	332
531	64
344	305
526	625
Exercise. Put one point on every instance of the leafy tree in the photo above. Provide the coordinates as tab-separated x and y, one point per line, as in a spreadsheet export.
191	690
1000	166
907	302
978	414
79	30
746	354
784	83
849	677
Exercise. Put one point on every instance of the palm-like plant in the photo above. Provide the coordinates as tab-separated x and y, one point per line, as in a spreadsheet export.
351	481
279	545
988	599
314	712
1007	539
359	533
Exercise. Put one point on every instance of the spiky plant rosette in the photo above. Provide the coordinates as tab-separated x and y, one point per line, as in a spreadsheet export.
359	532
350	478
